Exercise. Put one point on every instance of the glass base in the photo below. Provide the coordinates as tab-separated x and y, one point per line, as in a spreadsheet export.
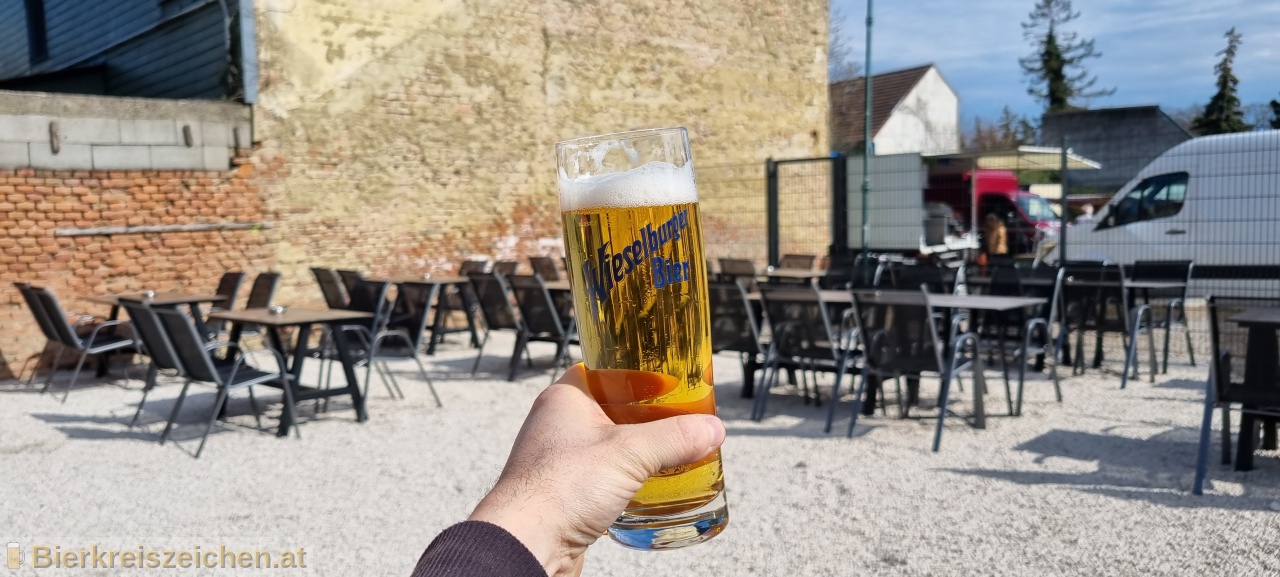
660	532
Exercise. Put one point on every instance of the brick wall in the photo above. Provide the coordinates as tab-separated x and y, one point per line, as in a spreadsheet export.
34	203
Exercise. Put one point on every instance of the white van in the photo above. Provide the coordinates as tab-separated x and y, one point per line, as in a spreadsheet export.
1213	200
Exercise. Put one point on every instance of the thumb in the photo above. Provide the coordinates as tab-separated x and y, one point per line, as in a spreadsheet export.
672	441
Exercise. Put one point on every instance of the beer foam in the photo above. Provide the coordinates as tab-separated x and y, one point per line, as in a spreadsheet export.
651	184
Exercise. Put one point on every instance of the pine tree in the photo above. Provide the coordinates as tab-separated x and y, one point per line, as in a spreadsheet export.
1275	114
1055	70
1223	113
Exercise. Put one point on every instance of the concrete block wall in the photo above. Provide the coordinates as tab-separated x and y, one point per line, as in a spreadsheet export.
66	132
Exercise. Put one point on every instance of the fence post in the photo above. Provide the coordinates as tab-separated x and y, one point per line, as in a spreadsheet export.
839	205
1065	206
771	209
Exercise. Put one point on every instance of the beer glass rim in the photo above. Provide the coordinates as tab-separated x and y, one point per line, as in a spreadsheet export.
622	135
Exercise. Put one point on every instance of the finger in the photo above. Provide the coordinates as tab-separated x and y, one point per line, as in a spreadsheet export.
576	376
671	442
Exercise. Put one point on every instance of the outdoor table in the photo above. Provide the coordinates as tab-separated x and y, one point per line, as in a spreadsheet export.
793	273
557	285
160	299
304	319
460	283
1259	366
1048	283
952	302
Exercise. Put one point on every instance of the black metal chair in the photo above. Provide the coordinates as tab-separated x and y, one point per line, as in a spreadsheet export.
155	344
196	357
498	309
1171	301
260	297
1235	380
97	342
401	337
797	261
229	289
901	340
1022	333
801	333
335	294
52	341
849	272
542	319
940	280
507	267
545	267
350	278
738	269
460	299
735	327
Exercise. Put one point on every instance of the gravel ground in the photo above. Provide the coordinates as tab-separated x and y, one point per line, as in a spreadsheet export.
1097	485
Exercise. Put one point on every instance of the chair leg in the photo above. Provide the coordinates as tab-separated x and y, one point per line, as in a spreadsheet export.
36	369
1168	330
480	353
257	413
762	399
48	382
74	375
399	393
213	418
1151	346
1131	351
152	371
1202	454
423	369
522	346
1022	370
1186	334
835	392
857	403
173	415
942	406
1226	435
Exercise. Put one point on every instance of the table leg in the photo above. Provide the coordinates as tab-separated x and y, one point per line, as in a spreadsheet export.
469	305
438	324
102	358
1247	442
979	391
287	413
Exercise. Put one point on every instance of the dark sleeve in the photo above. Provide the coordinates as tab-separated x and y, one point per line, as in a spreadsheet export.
477	549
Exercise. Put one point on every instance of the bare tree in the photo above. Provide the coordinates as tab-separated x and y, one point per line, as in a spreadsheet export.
842	64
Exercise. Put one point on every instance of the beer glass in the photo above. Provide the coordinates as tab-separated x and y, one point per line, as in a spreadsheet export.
633	239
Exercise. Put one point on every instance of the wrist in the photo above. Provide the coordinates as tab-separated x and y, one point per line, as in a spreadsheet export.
527	523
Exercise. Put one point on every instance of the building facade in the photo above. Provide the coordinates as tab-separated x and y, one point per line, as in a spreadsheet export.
1122	140
392	136
913	111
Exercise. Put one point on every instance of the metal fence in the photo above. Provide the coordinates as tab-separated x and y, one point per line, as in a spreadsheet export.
1214	201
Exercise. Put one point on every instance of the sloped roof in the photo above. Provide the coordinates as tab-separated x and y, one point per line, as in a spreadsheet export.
847	104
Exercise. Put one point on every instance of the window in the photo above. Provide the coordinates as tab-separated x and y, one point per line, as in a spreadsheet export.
1037	209
1156	197
37	40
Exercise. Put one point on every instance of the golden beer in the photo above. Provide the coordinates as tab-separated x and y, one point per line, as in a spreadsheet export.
633	239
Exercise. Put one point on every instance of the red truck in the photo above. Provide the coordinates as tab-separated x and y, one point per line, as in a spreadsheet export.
1027	217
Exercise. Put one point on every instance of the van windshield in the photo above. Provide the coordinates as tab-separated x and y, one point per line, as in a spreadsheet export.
1037	209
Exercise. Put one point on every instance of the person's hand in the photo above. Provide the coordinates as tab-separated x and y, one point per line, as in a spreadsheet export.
572	471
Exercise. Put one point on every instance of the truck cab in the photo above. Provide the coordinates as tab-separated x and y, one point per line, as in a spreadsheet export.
1027	217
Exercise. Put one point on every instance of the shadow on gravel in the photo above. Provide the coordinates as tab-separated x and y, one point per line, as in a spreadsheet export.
1157	469
1184	384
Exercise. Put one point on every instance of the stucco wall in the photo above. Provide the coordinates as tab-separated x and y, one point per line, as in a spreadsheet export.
413	133
927	120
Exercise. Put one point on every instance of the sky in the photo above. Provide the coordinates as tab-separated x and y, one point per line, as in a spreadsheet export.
1153	51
